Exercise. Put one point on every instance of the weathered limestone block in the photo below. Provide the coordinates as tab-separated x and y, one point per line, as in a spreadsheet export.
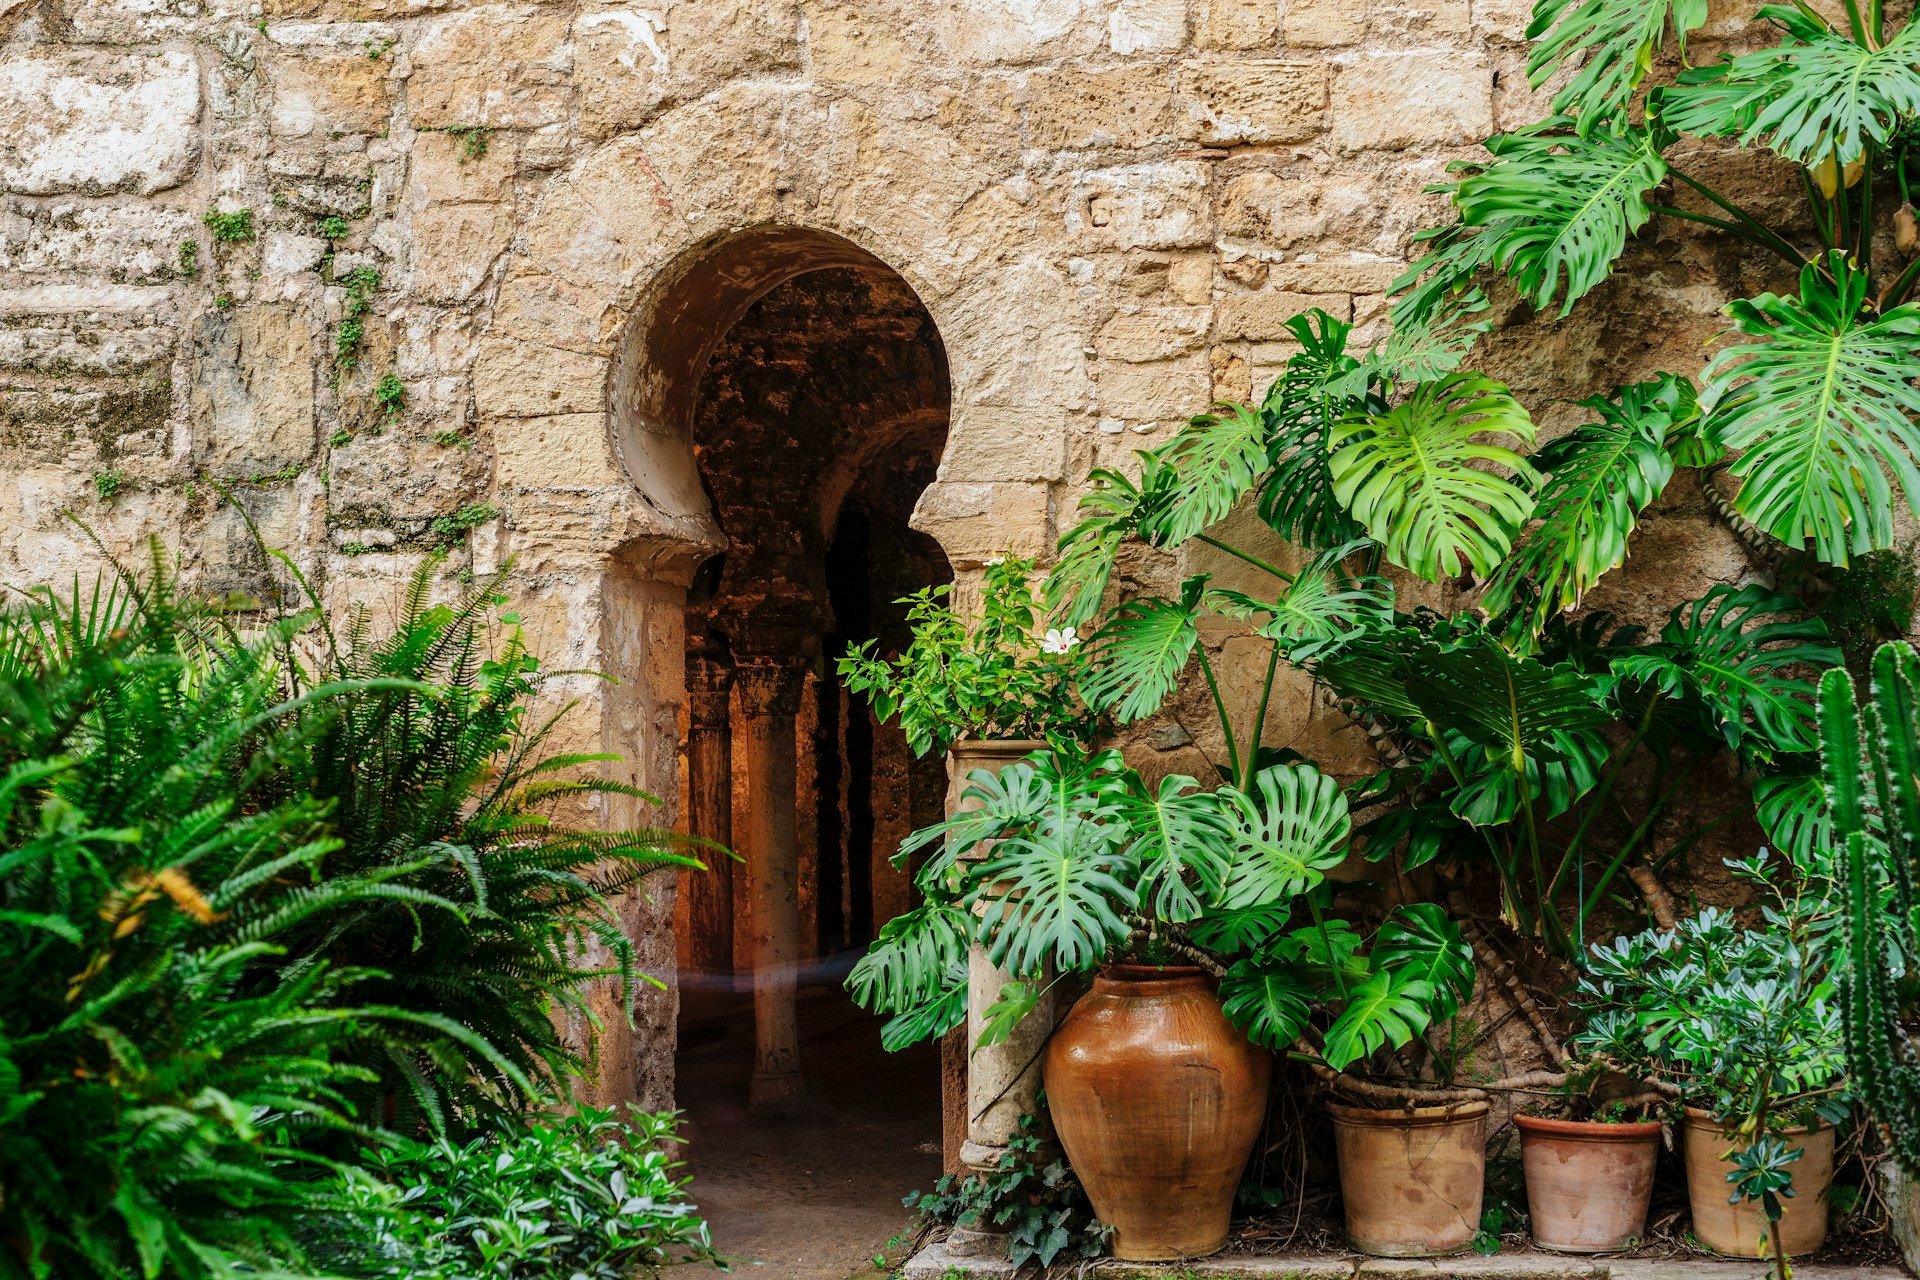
857	44
709	41
1263	316
1020	31
507	67
1324	24
566	449
976	522
522	380
1506	19
1238	24
986	443
93	329
1165	391
329	93
623	65
96	122
399	480
1147	26
1354	275
130	243
252	391
1128	106
1010	343
454	248
1257	100
1391	101
1143	206
1158	333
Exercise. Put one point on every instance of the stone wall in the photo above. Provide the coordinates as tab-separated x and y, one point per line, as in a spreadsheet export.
486	247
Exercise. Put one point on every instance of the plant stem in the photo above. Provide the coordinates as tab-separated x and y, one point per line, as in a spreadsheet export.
1822	223
1549	922
1863	239
1252	759
1326	940
1253	560
1220	708
1576	848
1745	219
1859	27
1631	843
1896	293
1732	228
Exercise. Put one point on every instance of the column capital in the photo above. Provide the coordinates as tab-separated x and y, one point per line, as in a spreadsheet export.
771	686
709	686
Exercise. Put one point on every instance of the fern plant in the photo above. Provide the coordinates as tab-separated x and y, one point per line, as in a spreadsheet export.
162	1069
436	772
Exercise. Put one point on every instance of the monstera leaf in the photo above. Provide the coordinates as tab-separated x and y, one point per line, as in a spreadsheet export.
1612	42
1116	509
1215	460
1418	478
1056	894
1321	608
1422	942
1732	650
1818	96
1515	706
1287	835
1428	348
1181	839
1268	1002
1303	406
1822	406
1792	809
1135	660
1390	1008
1440	283
1569	202
916	970
1600	477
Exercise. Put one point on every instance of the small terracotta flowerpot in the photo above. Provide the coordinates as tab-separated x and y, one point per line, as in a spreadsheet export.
1412	1180
1740	1230
1588	1184
1157	1099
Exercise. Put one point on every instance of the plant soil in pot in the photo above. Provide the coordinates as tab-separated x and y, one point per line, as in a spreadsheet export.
1588	1183
1413	1179
1157	1099
1740	1230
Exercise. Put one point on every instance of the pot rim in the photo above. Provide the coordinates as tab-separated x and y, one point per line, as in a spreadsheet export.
1408	1117
1150	980
1701	1118
1589	1130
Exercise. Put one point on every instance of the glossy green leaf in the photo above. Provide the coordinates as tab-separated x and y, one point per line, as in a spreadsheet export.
1390	1008
1287	835
1611	41
1427	482
1322	608
1268	1002
1135	660
1820	403
1181	839
1568	203
1422	941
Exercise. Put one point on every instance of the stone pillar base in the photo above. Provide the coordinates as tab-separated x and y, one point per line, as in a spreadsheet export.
776	1095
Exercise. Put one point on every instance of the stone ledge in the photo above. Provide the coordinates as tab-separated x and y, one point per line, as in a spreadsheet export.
936	1262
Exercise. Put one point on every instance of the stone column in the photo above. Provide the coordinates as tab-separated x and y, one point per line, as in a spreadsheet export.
1003	1080
710	809
770	690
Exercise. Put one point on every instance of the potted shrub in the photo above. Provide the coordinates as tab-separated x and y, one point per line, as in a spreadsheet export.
1744	1021
1589	1172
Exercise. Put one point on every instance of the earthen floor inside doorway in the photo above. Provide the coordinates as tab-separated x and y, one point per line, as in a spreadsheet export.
817	1196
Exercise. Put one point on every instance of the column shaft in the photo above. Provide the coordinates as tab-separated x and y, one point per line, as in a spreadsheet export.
770	695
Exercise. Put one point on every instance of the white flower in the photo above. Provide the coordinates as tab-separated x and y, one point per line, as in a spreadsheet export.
996	560
1059	640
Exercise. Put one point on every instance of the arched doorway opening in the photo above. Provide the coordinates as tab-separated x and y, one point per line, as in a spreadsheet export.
819	411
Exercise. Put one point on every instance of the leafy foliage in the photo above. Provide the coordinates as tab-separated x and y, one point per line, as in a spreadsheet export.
1815	97
1600	477
1415	476
1569	201
1040	1207
1613	42
990	676
582	1195
1821	405
1136	658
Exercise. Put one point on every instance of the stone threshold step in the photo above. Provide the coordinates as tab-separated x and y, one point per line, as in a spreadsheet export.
936	1262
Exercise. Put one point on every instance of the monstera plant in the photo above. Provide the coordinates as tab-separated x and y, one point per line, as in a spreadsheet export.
1811	405
1086	863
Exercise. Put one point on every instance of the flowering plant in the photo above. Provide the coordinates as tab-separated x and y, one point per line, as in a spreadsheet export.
998	673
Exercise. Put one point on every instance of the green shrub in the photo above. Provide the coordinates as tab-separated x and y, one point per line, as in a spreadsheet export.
229	228
580	1197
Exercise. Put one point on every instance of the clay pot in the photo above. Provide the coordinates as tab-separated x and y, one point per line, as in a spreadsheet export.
1157	1099
1740	1230
1412	1180
1587	1184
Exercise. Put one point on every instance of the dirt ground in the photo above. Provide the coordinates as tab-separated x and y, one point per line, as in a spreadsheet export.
814	1198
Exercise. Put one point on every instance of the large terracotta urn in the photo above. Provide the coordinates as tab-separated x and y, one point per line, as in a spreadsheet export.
1157	1099
1588	1183
1740	1230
